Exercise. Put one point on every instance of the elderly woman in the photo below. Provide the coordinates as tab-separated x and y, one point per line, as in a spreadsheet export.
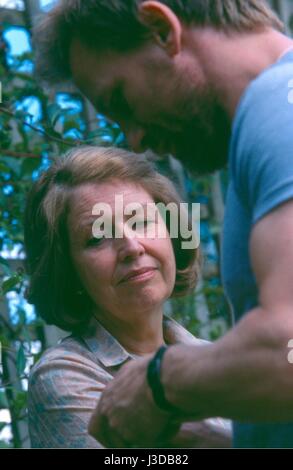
107	290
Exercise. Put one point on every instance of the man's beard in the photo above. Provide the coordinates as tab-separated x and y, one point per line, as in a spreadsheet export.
202	145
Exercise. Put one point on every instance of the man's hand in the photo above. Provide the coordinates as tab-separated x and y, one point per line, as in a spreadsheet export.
127	416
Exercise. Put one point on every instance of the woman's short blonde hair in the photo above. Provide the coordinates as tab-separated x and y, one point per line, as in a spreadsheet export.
54	284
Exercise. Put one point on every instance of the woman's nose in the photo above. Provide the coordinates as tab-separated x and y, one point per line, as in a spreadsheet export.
129	247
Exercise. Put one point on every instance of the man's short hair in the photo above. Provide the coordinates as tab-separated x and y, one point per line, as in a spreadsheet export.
114	25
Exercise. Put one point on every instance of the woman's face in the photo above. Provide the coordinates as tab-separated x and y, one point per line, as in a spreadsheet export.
126	275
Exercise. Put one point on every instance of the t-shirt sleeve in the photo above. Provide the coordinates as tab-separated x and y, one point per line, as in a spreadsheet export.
261	153
63	393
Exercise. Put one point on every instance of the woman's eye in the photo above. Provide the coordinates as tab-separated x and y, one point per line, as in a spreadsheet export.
95	241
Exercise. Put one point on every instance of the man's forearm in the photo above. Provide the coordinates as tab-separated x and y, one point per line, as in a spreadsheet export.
245	375
202	434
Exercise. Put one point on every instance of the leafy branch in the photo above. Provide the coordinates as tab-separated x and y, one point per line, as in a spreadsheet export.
69	143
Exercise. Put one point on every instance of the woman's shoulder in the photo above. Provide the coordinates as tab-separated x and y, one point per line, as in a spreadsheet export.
69	356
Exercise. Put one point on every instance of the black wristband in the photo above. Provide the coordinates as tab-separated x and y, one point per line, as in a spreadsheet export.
154	381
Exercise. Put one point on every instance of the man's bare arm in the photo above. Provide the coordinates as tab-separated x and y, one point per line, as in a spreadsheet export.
246	375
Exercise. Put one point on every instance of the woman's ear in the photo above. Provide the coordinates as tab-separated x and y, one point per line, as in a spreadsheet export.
163	23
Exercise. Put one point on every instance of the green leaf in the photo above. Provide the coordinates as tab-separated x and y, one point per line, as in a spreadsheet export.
10	284
19	403
12	163
29	165
4	341
27	337
5	445
20	360
70	124
21	315
3	261
4	168
54	113
3	400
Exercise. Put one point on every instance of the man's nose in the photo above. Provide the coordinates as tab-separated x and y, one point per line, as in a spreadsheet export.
135	138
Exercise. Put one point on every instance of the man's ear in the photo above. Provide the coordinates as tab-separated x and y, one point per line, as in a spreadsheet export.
163	23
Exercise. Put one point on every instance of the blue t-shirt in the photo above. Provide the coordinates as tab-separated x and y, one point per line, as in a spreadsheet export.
261	178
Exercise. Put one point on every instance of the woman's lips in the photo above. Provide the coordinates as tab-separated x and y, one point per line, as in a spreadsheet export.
141	277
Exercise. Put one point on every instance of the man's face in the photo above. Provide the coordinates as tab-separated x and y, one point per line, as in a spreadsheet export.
161	103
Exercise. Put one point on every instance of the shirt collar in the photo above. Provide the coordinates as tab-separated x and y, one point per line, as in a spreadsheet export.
111	353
